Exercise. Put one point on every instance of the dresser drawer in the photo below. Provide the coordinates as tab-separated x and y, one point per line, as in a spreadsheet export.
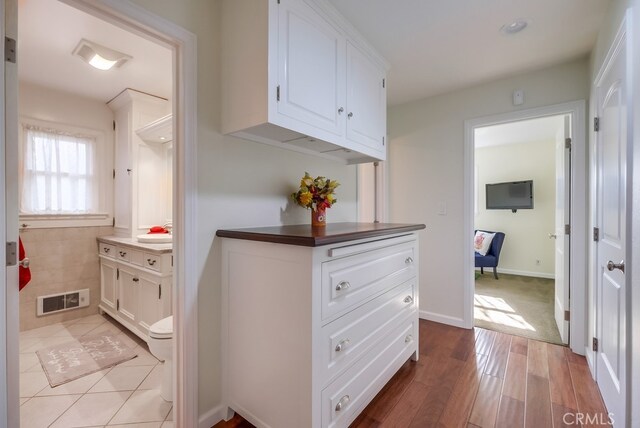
152	261
349	281
349	337
345	398
107	250
136	257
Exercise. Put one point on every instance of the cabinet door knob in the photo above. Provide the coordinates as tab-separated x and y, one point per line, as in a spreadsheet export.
342	344
408	260
342	285
343	403
350	115
151	262
408	299
408	339
340	110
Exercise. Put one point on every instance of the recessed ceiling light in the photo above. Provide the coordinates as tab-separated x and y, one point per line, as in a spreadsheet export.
100	56
515	26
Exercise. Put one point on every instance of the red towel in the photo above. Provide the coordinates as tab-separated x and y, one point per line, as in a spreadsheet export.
24	272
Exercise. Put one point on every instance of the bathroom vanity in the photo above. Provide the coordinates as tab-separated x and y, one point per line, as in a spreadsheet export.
316	320
135	282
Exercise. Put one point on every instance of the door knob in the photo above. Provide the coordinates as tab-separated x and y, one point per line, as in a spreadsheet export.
552	236
611	265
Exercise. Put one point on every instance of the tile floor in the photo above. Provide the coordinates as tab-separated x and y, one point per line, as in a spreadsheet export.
127	395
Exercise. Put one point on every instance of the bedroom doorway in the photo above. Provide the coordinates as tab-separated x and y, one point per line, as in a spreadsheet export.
521	201
520	177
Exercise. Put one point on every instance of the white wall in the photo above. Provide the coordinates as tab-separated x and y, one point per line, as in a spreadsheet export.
526	231
240	183
426	167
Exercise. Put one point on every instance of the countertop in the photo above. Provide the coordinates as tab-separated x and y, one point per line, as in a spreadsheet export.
307	236
131	242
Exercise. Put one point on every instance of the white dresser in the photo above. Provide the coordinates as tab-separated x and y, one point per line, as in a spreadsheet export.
135	282
315	323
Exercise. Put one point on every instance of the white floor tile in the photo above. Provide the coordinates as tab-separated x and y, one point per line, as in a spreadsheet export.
77	330
142	425
48	342
31	383
92	410
78	386
170	415
23	400
27	342
144	358
27	361
122	379
43	332
40	412
143	406
93	319
167	424
154	379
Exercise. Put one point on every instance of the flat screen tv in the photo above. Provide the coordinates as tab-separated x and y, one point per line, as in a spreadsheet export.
516	195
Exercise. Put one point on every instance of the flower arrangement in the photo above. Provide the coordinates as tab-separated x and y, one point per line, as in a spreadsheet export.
316	193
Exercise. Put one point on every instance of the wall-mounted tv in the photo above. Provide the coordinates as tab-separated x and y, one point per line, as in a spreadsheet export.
515	195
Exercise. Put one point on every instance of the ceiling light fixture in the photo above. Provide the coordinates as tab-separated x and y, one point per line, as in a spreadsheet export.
515	26
100	56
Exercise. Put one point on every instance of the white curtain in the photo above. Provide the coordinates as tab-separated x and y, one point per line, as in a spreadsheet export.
58	172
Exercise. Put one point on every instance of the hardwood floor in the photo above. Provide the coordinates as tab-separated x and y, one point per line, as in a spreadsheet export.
481	378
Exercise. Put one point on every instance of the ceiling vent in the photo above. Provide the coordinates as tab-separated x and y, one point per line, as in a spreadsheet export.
100	56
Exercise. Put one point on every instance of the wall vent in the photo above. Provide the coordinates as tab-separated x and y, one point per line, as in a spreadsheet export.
54	303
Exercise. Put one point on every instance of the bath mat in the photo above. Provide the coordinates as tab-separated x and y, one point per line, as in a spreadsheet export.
83	356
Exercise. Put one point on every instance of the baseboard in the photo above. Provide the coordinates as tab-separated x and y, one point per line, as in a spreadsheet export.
212	416
519	272
442	319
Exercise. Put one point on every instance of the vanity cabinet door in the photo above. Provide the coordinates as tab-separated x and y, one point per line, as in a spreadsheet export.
108	283
310	68
128	283
149	301
366	101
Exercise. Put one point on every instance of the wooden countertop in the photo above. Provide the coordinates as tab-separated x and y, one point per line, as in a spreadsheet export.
307	236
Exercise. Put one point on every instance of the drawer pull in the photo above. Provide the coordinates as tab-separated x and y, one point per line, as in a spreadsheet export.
408	260
408	299
106	250
122	253
342	344
408	339
151	262
342	403
342	285
135	279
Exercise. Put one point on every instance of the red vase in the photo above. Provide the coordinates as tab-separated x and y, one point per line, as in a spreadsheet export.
319	217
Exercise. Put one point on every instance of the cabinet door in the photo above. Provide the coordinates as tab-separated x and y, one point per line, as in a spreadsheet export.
128	293
108	284
149	301
123	166
366	100
310	68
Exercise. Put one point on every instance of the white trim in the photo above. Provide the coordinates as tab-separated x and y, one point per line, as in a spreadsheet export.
578	252
442	319
138	20
489	271
213	416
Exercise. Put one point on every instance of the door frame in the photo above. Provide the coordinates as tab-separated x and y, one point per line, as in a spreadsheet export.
138	20
579	188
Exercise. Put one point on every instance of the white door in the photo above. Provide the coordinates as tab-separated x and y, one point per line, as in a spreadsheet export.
9	302
127	303
366	100
108	284
310	67
611	147
149	301
563	205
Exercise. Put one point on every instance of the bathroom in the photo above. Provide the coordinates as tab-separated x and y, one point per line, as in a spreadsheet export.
95	268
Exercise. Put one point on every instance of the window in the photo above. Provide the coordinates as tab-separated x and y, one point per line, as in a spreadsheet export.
59	172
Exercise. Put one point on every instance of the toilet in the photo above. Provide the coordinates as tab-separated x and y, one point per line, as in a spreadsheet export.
161	346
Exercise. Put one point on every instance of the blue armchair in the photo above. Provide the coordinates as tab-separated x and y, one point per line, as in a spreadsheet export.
493	255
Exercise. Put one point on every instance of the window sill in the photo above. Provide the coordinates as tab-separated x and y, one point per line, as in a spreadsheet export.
46	221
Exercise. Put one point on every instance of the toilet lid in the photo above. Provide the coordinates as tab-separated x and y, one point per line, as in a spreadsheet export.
162	329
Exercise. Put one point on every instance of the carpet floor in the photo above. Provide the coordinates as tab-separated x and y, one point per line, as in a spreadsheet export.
518	305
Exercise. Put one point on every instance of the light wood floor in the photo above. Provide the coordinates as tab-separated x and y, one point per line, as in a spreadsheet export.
481	378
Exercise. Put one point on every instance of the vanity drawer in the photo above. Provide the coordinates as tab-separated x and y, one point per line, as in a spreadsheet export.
352	335
347	396
136	257
152	261
349	281
107	250
123	253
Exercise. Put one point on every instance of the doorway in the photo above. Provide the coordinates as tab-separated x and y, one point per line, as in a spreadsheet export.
577	182
182	45
521	198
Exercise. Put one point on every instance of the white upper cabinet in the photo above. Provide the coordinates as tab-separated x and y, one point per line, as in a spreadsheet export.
297	75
